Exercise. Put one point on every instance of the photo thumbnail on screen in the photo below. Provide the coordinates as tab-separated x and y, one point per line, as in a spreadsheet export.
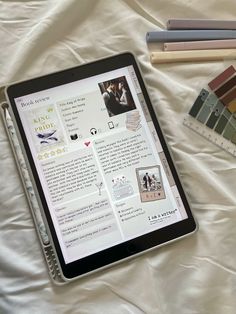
117	96
150	183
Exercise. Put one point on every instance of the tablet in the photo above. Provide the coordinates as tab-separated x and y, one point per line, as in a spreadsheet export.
103	175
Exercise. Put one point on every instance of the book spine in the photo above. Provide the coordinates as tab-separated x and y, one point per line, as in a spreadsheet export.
200	45
190	56
189	35
174	24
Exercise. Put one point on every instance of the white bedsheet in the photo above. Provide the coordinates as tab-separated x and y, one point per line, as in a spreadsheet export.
192	276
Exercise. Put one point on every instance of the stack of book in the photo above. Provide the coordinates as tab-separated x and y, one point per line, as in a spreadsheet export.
194	40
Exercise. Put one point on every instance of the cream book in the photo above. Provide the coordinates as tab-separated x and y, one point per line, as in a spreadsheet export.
192	55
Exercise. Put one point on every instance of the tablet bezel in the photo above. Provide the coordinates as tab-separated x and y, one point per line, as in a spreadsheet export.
125	249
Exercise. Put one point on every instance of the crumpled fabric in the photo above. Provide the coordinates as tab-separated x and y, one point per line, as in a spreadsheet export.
191	276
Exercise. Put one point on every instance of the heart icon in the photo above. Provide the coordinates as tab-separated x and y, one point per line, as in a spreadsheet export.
86	143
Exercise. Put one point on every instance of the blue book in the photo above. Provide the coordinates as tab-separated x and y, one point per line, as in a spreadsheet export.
189	35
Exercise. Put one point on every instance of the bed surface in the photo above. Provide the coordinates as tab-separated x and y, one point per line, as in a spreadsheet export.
192	276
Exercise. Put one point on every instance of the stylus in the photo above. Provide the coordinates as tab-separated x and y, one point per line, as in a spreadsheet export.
20	161
195	55
199	45
200	24
189	35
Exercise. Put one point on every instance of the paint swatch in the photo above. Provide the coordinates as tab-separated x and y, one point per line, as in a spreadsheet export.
232	106
221	78
213	114
224	86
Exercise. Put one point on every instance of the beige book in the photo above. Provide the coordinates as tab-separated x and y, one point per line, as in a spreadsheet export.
192	55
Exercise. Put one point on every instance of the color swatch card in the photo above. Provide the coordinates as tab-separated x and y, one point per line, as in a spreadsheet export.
213	114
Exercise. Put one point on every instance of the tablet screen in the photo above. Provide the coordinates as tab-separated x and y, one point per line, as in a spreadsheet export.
102	168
